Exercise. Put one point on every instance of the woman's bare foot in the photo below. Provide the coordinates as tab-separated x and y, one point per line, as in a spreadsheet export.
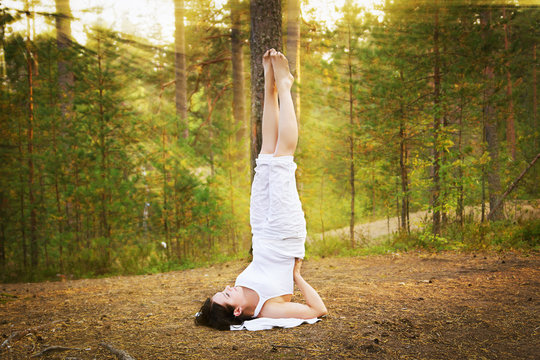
269	82
282	74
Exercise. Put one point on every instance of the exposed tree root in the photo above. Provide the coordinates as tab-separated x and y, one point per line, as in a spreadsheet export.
20	334
120	354
54	348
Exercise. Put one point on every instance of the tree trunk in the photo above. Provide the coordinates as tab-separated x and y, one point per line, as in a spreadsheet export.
293	50
53	104
265	34
232	230
210	130
180	68
66	81
165	213
21	199
403	166
460	205
102	145
510	129
490	124
535	102
65	75
3	214
435	195
30	139
351	141
321	202
237	58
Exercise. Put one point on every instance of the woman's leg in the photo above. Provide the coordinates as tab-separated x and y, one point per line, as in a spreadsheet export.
260	196
270	108
288	128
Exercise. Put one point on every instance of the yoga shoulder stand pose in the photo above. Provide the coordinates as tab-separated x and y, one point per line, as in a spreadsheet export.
265	287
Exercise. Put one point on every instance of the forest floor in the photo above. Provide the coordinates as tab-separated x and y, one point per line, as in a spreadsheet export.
413	305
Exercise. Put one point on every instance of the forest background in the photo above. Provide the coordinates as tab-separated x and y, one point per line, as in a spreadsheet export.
130	154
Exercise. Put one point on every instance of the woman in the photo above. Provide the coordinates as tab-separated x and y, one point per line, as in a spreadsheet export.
265	287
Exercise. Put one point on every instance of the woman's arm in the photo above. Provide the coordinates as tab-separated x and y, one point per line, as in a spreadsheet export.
313	299
314	305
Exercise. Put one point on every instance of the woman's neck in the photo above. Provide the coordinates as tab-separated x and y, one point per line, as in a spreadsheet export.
252	300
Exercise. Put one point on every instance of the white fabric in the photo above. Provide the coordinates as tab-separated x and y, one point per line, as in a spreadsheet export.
278	227
268	323
270	274
276	214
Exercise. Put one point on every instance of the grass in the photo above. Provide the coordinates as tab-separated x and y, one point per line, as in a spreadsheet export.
495	236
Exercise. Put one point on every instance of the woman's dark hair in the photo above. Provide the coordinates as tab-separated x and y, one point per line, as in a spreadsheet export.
218	316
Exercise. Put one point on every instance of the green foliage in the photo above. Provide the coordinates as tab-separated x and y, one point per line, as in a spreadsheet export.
114	177
498	235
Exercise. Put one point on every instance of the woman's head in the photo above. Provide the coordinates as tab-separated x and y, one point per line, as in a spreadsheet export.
223	309
216	316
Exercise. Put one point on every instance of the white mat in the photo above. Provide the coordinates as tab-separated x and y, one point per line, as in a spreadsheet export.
268	323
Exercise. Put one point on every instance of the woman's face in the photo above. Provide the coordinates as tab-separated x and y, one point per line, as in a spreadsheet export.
233	296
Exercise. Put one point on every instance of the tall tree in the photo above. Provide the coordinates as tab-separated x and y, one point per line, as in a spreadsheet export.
265	34
535	99
490	120
403	162
63	40
30	62
293	50
437	119
237	58
510	128
180	68
66	82
351	101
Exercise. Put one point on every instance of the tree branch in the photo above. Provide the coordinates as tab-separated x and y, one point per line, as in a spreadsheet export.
511	187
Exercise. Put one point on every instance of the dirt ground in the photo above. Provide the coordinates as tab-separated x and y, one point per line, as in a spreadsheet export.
399	306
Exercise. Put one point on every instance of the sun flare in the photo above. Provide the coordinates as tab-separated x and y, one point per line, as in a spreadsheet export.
153	19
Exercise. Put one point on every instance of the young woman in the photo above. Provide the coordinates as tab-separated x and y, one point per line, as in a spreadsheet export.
265	287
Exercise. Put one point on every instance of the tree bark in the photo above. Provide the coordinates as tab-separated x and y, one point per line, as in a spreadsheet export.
237	58
165	213
180	69
21	199
265	34
510	129
66	81
351	141
30	138
102	144
65	75
293	51
3	214
403	165
435	195
490	123
535	99
460	205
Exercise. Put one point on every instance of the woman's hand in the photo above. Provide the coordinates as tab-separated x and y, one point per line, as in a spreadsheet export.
314	306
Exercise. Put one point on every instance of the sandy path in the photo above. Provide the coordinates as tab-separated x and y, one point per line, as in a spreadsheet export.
370	233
